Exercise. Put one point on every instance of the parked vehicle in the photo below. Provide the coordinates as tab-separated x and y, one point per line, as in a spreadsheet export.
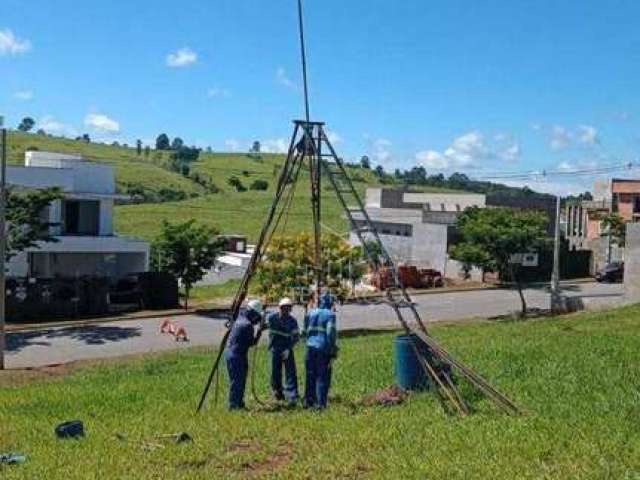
611	272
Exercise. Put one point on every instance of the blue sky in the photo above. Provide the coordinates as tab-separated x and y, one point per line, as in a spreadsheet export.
478	86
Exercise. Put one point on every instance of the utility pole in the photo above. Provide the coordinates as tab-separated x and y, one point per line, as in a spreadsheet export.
555	277
3	239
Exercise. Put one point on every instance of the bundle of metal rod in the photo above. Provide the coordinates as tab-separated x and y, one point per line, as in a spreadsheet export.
485	387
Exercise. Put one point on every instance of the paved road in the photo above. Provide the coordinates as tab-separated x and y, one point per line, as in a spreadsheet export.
64	344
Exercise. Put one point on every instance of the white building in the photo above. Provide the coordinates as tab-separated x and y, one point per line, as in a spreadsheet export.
417	228
82	219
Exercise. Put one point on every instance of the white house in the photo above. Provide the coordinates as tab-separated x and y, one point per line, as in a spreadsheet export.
83	221
417	228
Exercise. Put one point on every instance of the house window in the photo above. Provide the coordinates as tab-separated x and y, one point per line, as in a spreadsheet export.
443	207
636	205
81	217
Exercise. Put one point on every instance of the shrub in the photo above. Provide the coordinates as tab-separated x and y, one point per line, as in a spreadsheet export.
259	185
237	184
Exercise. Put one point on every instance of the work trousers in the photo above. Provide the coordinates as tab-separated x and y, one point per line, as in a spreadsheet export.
290	375
318	378
237	366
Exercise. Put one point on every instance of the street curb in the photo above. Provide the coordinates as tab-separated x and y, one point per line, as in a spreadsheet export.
94	321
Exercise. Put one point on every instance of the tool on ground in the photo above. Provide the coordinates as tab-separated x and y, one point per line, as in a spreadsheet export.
12	458
311	149
71	429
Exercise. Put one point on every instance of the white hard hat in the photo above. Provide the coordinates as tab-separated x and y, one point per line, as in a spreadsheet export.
255	305
285	302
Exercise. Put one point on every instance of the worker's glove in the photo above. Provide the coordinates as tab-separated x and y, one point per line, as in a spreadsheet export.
285	355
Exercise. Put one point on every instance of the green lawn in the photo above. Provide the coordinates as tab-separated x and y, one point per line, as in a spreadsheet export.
578	377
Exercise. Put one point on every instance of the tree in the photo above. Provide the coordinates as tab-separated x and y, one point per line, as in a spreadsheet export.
614	225
177	144
259	185
26	124
85	138
147	151
235	182
139	147
182	158
162	142
256	147
188	251
491	236
458	180
41	132
288	267
365	162
379	171
26	224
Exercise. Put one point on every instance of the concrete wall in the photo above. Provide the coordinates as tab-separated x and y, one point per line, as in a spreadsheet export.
452	201
68	172
632	263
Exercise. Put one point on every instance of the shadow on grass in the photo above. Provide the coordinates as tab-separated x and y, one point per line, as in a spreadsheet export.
89	335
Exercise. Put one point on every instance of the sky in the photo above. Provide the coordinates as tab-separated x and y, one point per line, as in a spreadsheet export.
484	87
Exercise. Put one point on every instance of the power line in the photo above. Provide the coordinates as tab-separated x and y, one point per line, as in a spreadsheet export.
561	173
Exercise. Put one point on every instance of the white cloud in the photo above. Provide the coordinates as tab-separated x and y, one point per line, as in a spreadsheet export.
511	153
566	166
232	144
182	57
12	45
276	145
466	150
283	79
50	125
333	137
101	123
470	150
431	159
560	138
218	92
382	150
588	135
24	95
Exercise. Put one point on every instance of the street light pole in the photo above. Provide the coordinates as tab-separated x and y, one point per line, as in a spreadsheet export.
3	240
555	277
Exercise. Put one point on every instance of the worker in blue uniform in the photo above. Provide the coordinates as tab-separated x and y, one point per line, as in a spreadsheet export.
321	332
241	339
283	336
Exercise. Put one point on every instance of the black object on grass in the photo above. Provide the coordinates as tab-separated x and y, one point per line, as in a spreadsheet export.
72	429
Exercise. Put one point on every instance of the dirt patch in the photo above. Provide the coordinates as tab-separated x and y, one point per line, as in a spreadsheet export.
393	395
24	376
244	446
265	464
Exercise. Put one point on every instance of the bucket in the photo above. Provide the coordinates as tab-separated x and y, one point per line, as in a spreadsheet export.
409	372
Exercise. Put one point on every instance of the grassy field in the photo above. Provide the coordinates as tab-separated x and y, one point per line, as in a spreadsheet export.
578	377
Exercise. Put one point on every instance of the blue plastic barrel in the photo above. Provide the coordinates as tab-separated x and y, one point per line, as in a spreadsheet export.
409	373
